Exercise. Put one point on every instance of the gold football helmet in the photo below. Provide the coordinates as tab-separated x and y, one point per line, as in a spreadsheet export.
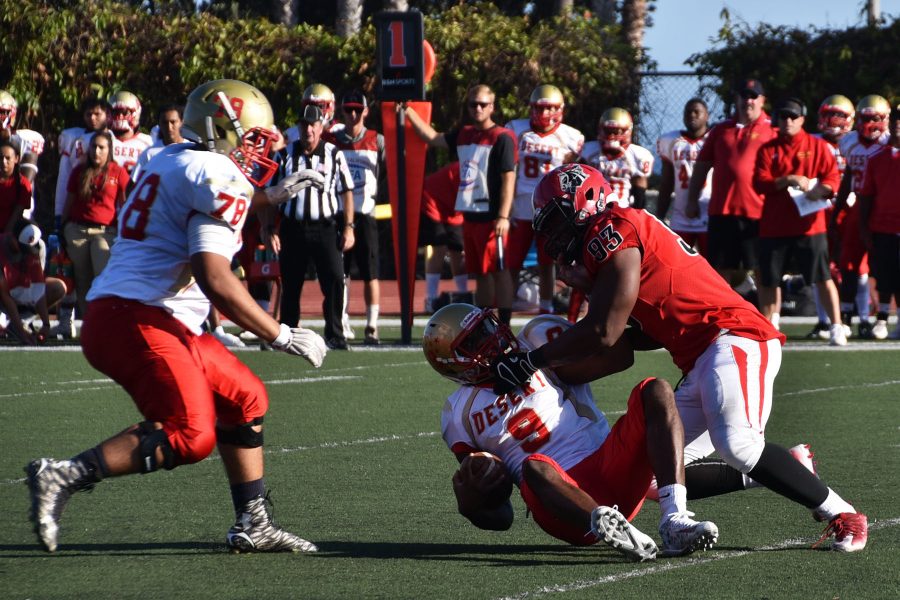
8	108
547	105
616	126
126	112
873	112
461	340
836	115
322	96
234	118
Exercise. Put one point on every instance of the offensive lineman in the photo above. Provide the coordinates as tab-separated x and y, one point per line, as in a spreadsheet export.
177	233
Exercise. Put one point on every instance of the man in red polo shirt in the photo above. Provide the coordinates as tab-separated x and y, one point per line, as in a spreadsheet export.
734	206
796	173
879	219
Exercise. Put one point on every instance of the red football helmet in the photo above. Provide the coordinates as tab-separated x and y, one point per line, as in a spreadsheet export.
547	105
564	201
616	126
836	115
461	341
8	108
874	112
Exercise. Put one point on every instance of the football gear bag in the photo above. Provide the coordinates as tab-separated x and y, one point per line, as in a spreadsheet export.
233	118
836	115
547	105
873	112
126	112
461	341
322	96
616	126
564	201
8	109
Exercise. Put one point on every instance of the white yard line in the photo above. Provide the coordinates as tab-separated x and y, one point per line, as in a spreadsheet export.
672	564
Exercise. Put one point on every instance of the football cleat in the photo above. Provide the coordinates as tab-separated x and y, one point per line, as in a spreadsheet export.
371	338
850	531
255	531
682	535
880	330
611	526
51	483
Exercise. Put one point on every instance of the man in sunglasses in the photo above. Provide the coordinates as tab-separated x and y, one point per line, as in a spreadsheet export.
734	206
795	173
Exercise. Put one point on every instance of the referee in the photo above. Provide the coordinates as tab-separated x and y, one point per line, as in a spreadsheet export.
309	230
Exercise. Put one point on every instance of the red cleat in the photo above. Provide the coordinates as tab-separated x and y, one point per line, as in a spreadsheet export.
850	530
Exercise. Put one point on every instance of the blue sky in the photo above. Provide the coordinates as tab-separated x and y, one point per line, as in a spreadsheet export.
683	27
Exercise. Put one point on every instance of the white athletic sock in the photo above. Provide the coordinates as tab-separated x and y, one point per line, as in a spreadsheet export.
462	283
372	316
672	500
432	281
833	506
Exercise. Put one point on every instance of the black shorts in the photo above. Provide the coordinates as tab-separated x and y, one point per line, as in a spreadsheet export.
809	253
435	233
885	263
732	242
365	249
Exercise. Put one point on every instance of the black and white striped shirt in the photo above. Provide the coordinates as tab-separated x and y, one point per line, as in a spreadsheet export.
312	204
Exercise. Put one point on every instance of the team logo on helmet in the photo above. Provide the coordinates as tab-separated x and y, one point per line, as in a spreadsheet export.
571	179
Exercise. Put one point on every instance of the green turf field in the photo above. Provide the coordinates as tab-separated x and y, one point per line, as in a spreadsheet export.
356	464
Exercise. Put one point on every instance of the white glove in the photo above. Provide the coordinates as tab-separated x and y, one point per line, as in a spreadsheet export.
291	185
301	342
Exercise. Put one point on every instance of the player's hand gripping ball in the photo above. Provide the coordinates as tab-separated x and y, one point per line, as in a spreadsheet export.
485	474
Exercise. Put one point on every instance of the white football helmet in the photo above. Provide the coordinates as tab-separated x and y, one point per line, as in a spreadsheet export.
8	109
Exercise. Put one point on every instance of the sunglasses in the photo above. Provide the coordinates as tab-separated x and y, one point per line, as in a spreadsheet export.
474	104
352	109
788	116
747	94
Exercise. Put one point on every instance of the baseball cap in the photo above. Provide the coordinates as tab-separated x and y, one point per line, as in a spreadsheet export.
312	113
750	86
29	237
793	107
355	99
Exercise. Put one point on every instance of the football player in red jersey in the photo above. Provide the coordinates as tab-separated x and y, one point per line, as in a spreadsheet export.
637	270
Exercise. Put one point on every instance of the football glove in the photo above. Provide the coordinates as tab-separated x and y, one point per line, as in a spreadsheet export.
512	370
301	342
291	185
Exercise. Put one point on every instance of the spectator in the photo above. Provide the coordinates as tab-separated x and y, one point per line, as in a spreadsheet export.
169	119
15	189
309	230
734	206
791	169
96	192
125	119
441	228
879	221
625	166
872	115
23	287
364	150
95	112
487	158
30	144
544	142
678	151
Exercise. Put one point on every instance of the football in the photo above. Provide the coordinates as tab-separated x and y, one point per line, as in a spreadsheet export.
486	473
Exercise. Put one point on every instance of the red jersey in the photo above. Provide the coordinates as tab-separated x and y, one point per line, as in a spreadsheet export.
21	273
439	196
682	302
732	148
803	154
882	182
14	191
101	206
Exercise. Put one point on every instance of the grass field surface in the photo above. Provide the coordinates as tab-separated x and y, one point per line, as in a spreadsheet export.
356	464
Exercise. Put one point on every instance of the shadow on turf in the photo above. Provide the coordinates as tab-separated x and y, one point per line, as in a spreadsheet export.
160	548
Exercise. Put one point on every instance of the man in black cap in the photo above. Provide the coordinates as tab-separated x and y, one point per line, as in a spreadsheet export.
734	206
309	228
795	173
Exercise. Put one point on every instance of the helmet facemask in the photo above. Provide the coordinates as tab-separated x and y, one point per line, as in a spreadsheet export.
872	125
545	115
562	235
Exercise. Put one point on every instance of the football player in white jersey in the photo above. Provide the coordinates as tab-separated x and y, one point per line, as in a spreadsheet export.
678	151
29	143
570	466
178	231
544	143
626	166
125	109
871	135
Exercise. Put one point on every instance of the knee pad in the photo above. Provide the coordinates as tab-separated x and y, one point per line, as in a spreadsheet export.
151	439
243	435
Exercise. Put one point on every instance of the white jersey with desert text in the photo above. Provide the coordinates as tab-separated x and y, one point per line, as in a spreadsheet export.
681	152
539	153
857	156
186	201
67	139
635	161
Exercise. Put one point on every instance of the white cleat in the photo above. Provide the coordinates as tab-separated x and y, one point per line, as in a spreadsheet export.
683	535
255	531
612	527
